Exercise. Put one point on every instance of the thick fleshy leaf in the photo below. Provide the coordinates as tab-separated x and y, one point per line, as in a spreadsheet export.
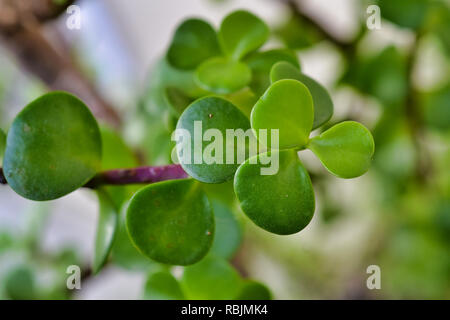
106	229
254	290
200	158
177	99
171	222
241	33
53	147
211	279
345	149
282	203
228	233
162	285
194	42
323	105
222	76
2	145
261	63
286	106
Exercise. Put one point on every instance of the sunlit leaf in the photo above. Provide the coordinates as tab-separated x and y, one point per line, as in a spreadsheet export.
171	222
241	33
281	201
345	149
211	278
205	161
286	106
53	147
254	290
222	76
194	42
323	105
162	285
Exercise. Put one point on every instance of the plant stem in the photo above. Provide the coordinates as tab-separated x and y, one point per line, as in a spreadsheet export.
140	175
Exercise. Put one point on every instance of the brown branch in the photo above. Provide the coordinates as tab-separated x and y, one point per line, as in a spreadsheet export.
21	31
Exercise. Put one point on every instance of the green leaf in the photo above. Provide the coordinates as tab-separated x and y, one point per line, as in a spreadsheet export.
106	230
162	285
2	145
177	99
253	290
53	147
171	222
286	106
20	284
194	42
222	76
228	234
323	105
405	13
437	110
345	149
211	279
261	63
241	33
205	162
282	203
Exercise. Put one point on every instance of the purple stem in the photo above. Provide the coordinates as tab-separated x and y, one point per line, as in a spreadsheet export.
139	175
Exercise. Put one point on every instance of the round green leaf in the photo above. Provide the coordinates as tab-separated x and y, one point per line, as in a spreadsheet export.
286	106
222	76
53	147
261	63
194	42
2	145
162	285
106	229
205	162
20	284
345	149
228	235
323	105
211	279
282	203
171	222
241	33
253	290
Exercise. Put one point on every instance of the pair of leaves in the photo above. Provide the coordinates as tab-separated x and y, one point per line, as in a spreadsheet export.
53	147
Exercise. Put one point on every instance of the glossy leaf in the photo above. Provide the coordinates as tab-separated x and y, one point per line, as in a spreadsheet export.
162	285
211	278
282	203
171	222
53	147
177	99
286	106
106	229
345	149
204	114
222	76
228	235
261	63
323	105
253	290
241	33
2	145
194	42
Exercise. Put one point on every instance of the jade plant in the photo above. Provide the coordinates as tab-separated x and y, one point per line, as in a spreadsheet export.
224	80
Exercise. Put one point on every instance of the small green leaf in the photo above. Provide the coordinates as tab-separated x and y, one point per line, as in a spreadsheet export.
222	76
106	230
228	235
53	147
253	290
345	149
323	105
162	285
261	63
171	222
194	42
241	33
20	284
286	106
205	163
177	99
282	203
211	279
2	145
